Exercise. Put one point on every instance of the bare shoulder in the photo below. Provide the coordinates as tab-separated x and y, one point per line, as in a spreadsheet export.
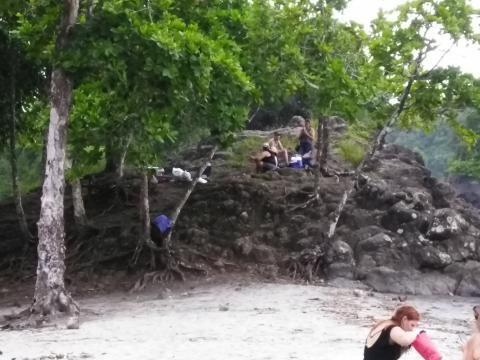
475	339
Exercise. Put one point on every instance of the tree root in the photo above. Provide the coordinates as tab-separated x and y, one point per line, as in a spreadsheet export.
175	269
45	312
307	264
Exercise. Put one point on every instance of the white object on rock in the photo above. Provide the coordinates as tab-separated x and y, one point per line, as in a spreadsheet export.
181	174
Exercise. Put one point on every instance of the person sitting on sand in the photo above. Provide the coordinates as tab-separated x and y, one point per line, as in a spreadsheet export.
471	349
277	146
266	159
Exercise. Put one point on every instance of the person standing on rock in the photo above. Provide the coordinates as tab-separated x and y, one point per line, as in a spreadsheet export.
391	338
471	349
306	138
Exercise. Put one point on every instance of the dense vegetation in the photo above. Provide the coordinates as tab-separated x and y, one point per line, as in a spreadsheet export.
131	81
150	75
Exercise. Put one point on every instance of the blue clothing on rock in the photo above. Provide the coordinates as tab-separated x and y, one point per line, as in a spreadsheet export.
162	223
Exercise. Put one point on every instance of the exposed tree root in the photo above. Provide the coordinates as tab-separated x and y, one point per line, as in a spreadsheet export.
46	312
307	264
174	269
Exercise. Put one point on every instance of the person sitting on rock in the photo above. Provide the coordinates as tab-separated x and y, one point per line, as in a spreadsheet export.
265	160
276	145
471	349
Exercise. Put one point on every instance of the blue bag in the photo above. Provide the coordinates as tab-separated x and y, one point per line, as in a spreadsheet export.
162	223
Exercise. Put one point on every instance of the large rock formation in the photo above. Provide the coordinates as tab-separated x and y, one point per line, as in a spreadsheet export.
402	231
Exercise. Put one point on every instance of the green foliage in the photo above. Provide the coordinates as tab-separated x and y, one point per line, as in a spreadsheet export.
351	151
469	167
29	163
243	149
150	84
152	76
442	147
354	144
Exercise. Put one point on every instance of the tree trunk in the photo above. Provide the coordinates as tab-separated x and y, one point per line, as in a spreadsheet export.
13	158
123	156
322	159
44	153
115	157
321	155
50	296
112	159
176	213
377	145
145	207
79	213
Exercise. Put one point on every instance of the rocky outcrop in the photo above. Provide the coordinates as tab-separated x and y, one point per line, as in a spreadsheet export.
402	231
421	240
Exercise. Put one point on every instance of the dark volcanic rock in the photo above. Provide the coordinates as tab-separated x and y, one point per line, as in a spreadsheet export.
400	231
385	279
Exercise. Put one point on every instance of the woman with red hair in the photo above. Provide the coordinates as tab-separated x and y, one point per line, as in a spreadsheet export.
389	339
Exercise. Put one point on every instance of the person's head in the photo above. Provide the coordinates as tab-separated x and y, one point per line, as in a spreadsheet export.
476	315
276	135
308	123
298	120
407	317
265	147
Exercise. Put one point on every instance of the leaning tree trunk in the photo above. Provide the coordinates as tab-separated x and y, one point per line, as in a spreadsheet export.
377	145
176	213
13	158
50	296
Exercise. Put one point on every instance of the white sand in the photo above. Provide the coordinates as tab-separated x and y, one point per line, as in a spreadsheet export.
236	321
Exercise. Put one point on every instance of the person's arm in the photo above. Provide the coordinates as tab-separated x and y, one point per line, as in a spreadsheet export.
308	133
258	156
261	156
280	146
402	337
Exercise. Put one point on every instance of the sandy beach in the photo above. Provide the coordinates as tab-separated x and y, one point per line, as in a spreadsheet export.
236	320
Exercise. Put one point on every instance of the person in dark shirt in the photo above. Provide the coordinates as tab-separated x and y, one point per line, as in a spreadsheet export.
389	339
306	138
266	159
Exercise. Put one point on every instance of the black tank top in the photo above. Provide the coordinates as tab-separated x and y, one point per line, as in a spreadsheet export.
382	349
272	159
